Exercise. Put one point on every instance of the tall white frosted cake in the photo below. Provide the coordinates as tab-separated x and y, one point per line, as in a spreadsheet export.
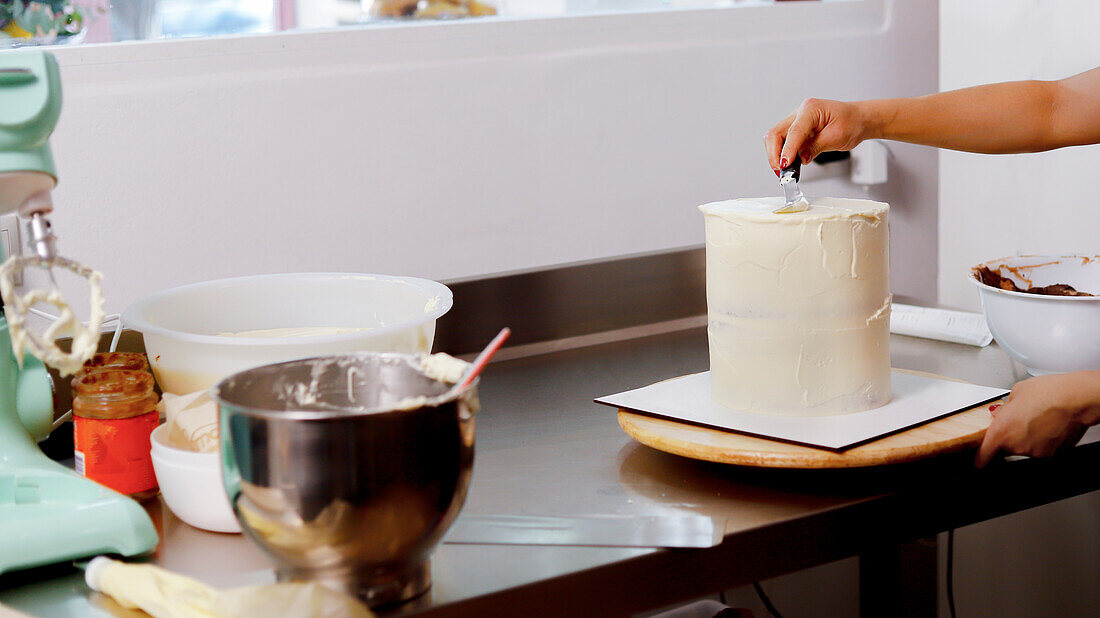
799	306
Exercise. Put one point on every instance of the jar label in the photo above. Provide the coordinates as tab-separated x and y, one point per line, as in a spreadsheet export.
115	452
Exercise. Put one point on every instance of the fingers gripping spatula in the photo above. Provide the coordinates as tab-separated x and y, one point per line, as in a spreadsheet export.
792	194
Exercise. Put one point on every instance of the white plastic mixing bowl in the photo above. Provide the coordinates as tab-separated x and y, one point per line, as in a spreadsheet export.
1047	334
181	326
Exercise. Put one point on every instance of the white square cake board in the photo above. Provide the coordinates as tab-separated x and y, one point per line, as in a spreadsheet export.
917	399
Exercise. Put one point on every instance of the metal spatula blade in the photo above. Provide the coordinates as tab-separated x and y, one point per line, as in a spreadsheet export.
792	194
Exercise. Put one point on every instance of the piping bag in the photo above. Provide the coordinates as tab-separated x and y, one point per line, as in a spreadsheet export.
163	594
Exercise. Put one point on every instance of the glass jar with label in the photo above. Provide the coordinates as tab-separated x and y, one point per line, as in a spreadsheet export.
114	413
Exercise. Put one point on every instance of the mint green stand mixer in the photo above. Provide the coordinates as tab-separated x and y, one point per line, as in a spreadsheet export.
48	513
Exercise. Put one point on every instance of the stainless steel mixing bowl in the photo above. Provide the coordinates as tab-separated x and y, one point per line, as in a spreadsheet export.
347	470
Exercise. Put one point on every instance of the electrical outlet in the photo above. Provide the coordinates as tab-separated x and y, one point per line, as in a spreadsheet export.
870	163
13	245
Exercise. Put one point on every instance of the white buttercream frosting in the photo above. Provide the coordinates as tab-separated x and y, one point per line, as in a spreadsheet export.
443	367
799	305
310	395
85	337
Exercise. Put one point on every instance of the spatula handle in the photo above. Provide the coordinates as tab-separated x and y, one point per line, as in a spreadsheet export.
796	166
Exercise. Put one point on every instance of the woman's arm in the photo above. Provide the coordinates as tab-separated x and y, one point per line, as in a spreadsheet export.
1027	116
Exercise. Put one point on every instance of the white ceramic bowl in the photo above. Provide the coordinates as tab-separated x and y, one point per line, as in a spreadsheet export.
181	326
1047	334
191	484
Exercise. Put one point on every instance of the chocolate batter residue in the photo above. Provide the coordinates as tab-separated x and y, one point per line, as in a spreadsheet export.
994	279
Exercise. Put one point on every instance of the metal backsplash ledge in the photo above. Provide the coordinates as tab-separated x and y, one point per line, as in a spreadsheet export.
576	300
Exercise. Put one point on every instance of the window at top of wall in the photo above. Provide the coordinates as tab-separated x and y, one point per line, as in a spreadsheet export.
27	22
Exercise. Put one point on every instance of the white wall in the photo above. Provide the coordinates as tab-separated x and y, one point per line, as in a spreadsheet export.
1040	562
992	206
455	150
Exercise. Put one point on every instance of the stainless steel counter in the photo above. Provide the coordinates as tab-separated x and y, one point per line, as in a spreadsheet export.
544	448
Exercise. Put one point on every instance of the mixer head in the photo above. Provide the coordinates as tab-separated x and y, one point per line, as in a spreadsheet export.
30	104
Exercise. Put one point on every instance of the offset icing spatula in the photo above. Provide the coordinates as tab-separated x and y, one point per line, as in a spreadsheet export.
792	195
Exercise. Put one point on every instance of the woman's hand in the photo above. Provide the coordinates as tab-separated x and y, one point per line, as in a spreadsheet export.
817	126
1043	416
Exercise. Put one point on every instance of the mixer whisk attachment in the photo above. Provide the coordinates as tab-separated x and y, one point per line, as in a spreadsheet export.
85	336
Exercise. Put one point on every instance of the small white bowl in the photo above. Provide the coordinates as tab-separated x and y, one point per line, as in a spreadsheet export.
1046	334
182	326
191	484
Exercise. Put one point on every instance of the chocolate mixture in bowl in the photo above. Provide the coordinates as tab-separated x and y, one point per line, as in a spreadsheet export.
995	279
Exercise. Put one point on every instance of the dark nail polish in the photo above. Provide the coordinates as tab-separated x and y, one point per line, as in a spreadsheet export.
776	172
783	164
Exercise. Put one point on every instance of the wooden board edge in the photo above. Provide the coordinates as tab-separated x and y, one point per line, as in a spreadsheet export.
823	459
